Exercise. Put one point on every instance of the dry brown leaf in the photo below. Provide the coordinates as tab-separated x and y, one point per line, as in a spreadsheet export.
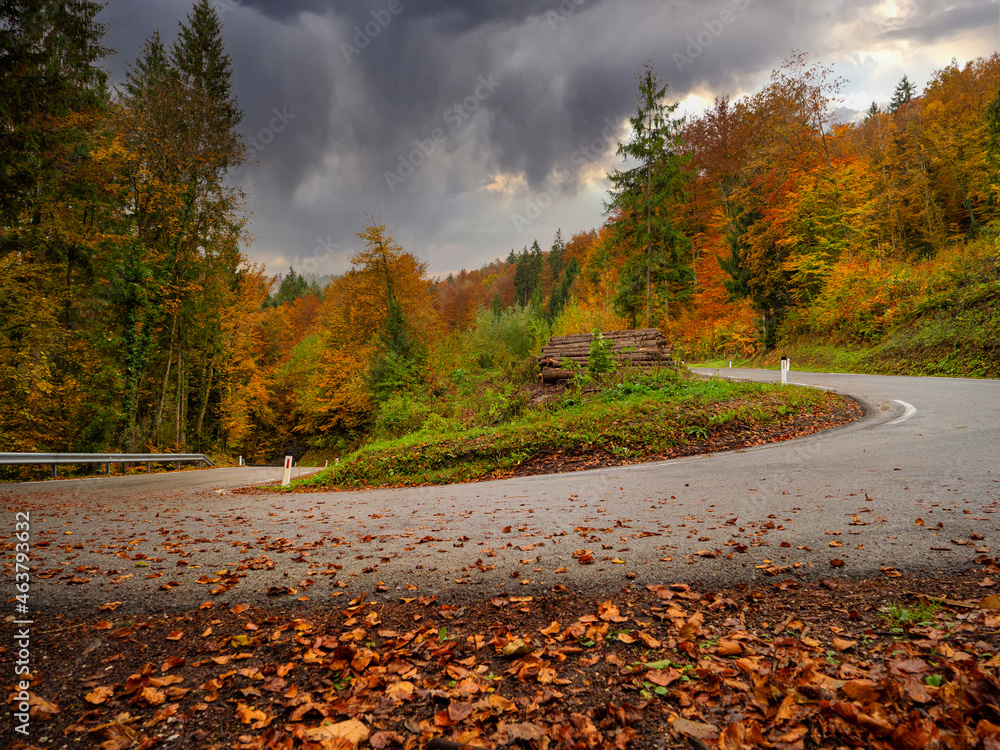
697	729
991	603
501	704
352	730
400	691
99	695
729	648
152	696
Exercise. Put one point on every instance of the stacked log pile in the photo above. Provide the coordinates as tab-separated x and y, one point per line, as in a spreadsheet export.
646	348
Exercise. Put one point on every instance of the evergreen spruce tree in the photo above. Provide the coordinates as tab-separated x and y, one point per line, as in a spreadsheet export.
556	254
292	286
199	60
902	95
641	200
528	275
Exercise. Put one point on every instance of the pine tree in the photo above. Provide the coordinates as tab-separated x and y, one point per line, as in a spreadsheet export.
555	259
528	275
902	95
292	286
198	56
560	295
151	69
642	200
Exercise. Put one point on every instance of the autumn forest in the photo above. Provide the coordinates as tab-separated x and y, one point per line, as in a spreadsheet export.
131	319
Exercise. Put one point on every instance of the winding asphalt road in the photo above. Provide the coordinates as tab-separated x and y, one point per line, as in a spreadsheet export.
914	485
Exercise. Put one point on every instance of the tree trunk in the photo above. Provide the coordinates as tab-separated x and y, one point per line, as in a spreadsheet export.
166	379
204	399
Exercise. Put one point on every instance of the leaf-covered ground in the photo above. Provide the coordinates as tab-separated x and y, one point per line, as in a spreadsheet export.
895	663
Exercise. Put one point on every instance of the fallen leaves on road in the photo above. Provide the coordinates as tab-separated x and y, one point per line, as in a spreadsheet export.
668	664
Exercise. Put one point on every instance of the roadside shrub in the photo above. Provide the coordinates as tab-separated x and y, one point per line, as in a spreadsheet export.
502	339
600	359
399	415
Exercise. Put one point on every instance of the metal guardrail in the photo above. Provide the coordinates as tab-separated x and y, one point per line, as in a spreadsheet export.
56	459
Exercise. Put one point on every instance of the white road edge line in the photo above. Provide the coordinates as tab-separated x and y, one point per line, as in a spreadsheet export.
812	385
910	411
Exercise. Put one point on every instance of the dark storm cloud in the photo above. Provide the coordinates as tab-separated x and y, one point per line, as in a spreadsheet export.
456	15
930	23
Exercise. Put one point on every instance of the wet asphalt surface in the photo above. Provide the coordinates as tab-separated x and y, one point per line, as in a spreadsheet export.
915	491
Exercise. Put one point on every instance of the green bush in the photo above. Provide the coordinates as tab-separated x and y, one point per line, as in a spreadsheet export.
505	405
600	359
503	339
400	414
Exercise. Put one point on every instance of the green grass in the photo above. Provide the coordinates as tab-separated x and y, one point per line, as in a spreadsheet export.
953	334
950	329
921	613
956	334
637	418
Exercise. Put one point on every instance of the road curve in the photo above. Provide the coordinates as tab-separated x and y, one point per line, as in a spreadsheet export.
914	485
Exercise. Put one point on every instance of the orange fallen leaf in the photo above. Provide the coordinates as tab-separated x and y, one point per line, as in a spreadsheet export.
991	603
729	648
152	696
171	662
247	714
352	730
99	695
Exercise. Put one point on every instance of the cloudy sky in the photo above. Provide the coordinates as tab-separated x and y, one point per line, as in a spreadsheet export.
477	126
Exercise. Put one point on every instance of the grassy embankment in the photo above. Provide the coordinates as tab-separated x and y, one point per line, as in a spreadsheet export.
940	320
642	417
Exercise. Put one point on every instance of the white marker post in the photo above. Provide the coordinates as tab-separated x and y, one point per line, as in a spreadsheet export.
786	365
286	478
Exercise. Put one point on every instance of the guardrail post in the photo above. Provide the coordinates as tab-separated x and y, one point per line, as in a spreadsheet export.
55	468
147	467
107	469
